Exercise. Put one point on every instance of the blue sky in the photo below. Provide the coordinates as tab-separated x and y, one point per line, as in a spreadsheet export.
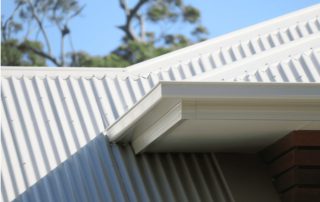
95	30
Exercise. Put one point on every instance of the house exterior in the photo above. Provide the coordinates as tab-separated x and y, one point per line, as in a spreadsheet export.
235	118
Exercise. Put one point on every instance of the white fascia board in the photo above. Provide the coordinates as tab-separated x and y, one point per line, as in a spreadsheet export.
169	121
249	110
259	61
241	91
127	120
230	93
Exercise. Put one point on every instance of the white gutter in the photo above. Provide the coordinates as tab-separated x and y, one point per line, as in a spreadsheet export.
152	116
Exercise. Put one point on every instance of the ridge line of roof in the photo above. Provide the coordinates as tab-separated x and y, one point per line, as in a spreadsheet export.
196	49
271	24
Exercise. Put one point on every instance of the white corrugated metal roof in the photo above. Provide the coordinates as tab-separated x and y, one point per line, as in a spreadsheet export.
50	114
211	54
238	45
295	62
108	172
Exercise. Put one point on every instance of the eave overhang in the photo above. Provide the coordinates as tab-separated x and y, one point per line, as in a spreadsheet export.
217	116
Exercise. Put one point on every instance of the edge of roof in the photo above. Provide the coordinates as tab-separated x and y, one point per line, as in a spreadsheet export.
62	71
211	90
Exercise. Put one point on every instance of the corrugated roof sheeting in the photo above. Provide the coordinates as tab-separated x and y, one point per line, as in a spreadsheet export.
59	116
304	65
223	56
298	68
101	171
215	53
240	44
48	116
46	120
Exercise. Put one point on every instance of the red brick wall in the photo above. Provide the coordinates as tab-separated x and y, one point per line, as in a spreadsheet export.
294	165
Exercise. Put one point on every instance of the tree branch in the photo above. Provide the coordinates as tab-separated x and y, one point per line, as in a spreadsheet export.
64	32
134	11
130	15
39	22
76	13
142	28
5	24
28	30
40	53
124	6
62	50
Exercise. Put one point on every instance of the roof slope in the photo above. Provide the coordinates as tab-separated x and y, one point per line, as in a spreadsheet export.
238	45
105	172
295	62
50	114
217	52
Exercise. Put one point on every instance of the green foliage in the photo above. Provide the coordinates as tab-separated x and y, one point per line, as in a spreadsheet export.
131	53
13	54
162	10
137	45
11	27
176	41
191	14
171	10
10	54
83	59
135	51
29	57
200	32
154	43
56	11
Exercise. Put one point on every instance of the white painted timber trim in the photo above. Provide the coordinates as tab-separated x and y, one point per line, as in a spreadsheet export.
251	110
285	95
135	113
166	123
197	90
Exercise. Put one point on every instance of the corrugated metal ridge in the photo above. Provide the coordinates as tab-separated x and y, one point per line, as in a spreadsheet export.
303	67
207	55
263	60
109	172
64	72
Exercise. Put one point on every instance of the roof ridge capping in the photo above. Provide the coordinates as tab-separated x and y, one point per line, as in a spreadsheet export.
169	59
207	46
61	71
